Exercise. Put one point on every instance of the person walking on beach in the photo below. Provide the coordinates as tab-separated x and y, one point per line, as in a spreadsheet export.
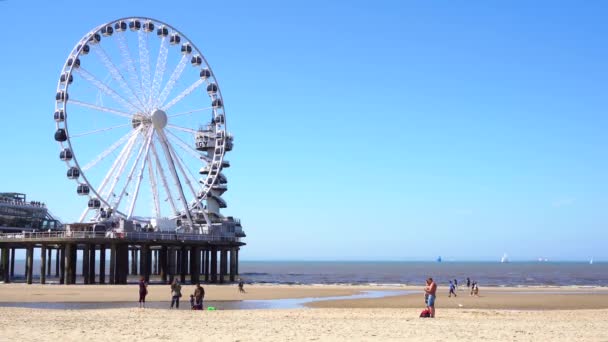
143	291
452	289
468	282
176	293
456	284
431	291
473	287
199	294
241	286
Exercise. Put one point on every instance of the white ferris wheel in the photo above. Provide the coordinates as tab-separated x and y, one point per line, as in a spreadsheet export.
141	125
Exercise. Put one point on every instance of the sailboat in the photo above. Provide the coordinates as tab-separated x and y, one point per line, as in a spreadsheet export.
439	259
591	261
504	258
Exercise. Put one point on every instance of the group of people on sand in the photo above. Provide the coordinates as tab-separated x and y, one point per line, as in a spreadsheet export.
196	299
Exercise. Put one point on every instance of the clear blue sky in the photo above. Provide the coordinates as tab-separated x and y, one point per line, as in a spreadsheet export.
365	130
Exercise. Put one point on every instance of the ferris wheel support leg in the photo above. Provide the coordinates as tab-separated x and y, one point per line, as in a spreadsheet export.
163	178
140	174
154	186
170	162
144	145
122	159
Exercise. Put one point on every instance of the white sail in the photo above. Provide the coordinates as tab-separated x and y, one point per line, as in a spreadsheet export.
504	258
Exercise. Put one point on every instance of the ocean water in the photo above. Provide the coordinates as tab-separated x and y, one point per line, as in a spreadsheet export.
408	273
415	273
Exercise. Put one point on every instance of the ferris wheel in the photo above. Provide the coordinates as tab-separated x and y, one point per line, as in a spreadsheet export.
141	125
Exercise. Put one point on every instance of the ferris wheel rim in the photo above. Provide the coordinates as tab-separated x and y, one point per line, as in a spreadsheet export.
68	70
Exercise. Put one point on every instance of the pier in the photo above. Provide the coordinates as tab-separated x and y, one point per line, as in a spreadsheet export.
191	258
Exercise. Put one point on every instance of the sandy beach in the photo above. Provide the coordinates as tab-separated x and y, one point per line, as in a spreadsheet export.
499	314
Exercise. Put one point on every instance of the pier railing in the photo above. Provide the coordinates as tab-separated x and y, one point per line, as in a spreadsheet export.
150	236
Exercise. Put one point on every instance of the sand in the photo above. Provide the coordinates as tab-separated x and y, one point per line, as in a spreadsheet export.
494	316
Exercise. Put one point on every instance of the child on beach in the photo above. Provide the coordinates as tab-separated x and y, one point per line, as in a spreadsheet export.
143	291
452	289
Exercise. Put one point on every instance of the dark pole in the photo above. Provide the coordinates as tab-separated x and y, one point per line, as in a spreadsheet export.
195	264
102	264
29	259
68	263
62	263
232	263
85	264
48	261
43	263
163	263
92	264
12	262
214	265
113	264
57	259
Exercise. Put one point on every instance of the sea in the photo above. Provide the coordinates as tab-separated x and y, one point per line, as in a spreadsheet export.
397	273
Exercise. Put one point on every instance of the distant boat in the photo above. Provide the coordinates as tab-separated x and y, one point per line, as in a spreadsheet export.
504	258
439	258
591	261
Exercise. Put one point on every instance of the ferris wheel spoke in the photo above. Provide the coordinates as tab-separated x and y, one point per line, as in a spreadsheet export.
183	129
98	130
144	64
123	45
171	83
183	94
163	179
100	108
109	150
140	174
143	146
164	143
125	150
106	89
190	112
159	71
117	76
188	148
153	186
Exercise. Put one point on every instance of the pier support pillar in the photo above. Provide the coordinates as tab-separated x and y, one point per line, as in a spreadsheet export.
144	265
162	263
68	270
214	265
6	262
74	252
171	263
43	263
57	260
184	265
92	264
62	264
102	264
206	261
134	261
12	262
113	264
85	264
48	261
29	260
155	262
195	264
232	264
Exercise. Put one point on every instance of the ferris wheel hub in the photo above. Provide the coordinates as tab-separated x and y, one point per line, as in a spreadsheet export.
159	119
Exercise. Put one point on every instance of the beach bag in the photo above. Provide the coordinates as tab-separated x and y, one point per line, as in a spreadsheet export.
426	313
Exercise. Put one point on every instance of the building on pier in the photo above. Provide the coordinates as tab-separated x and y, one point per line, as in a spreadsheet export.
19	214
